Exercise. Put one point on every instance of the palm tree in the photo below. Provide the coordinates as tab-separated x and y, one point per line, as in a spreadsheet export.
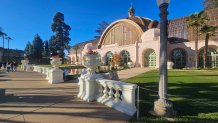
8	38
195	21
2	34
209	31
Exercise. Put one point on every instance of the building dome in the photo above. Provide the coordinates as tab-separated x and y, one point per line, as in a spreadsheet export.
131	11
144	23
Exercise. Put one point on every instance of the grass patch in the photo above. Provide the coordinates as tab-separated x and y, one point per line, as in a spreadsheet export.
194	94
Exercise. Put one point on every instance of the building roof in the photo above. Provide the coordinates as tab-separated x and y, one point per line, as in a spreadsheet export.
144	23
82	44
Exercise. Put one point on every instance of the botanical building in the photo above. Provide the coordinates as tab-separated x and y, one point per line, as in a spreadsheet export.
137	40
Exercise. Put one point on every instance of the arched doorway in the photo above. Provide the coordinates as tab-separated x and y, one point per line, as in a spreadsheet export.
125	56
209	57
109	56
150	58
178	57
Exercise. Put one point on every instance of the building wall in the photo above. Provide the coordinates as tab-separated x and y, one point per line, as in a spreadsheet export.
178	27
150	40
189	48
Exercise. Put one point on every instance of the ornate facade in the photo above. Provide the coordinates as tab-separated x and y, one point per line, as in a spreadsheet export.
136	40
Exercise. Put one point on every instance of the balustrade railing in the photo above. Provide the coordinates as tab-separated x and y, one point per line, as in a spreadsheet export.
118	95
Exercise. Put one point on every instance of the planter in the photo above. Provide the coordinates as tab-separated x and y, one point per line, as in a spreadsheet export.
130	64
91	61
170	65
56	62
55	75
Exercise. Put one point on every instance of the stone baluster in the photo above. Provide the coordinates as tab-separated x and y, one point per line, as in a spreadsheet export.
111	93
117	96
105	94
101	89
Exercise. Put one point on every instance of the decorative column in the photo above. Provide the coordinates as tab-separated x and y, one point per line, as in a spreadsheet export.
163	107
87	80
55	75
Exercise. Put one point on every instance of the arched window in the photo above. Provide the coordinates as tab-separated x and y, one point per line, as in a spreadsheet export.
109	56
150	58
209	57
125	56
178	57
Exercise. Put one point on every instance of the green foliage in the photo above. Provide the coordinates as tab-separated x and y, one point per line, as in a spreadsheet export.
46	52
197	20
208	30
29	50
37	47
60	40
102	26
3	35
8	38
210	4
194	95
52	45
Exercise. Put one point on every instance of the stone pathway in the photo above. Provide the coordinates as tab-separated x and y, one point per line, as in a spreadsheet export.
125	74
30	99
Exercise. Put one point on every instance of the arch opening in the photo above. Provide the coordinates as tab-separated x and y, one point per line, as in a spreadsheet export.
149	58
179	58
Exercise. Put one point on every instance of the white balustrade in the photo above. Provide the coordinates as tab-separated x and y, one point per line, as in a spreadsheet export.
35	68
43	70
118	95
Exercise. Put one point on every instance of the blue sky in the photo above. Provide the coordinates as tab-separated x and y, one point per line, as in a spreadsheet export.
22	19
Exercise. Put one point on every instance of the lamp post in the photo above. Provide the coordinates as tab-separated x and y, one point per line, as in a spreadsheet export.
162	106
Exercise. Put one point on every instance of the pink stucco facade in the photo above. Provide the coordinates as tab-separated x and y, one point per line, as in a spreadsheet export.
150	41
140	39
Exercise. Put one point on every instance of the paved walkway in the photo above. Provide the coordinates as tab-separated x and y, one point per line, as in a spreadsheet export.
32	100
125	74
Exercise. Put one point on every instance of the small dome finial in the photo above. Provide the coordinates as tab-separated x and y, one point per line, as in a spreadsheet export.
131	11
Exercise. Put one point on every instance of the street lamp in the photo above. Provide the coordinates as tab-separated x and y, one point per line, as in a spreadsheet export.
162	106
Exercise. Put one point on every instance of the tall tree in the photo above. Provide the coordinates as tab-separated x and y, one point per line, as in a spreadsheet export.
101	27
196	21
61	39
37	47
3	35
29	50
51	44
210	4
46	49
8	38
209	31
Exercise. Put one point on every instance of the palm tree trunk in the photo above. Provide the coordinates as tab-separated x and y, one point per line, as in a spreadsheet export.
3	41
205	50
8	50
196	47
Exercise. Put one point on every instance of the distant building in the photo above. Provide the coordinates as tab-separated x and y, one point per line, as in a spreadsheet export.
13	55
137	40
